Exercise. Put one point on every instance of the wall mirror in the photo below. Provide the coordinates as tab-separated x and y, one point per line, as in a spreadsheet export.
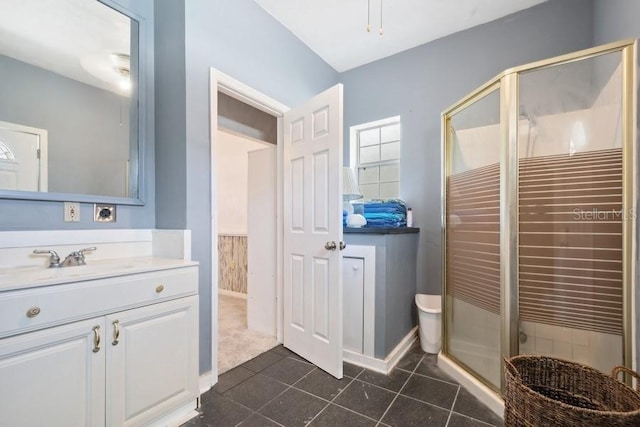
69	101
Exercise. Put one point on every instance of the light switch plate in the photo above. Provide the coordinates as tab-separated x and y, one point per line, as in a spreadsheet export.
104	213
71	212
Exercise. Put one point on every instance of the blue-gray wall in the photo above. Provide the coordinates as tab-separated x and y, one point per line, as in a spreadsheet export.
420	83
46	215
242	40
171	118
615	20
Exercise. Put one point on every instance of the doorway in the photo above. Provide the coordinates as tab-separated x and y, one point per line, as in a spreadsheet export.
239	339
245	126
309	209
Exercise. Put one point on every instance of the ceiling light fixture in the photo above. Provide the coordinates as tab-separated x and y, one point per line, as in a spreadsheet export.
125	78
121	65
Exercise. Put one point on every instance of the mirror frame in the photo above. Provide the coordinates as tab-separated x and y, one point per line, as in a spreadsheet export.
142	134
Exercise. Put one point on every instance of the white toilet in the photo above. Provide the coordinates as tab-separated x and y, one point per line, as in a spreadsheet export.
430	317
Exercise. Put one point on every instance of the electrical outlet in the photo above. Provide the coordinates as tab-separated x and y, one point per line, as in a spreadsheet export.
104	213
71	212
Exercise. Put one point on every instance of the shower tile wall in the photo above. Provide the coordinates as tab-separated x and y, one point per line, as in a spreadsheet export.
577	345
479	346
232	263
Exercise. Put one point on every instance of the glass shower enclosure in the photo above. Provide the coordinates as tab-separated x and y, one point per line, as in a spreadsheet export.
539	181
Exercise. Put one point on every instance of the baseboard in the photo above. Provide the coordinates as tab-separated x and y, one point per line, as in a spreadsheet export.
383	366
178	417
206	381
232	293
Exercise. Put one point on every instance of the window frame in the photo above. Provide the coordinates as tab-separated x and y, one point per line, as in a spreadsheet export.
354	149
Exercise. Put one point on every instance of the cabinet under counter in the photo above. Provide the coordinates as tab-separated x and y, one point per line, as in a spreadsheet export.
389	328
99	350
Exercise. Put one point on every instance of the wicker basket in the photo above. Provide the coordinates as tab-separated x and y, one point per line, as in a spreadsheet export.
545	391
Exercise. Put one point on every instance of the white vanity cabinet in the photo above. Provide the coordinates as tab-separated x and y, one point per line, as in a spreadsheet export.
153	367
53	377
123	353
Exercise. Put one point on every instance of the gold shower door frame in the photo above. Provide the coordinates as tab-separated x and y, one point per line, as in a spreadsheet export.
507	83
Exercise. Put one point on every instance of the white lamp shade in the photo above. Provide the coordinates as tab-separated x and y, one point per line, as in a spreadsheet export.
350	190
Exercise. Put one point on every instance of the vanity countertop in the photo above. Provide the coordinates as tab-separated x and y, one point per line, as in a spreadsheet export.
12	278
381	230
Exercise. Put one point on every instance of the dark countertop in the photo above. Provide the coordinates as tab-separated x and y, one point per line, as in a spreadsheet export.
381	230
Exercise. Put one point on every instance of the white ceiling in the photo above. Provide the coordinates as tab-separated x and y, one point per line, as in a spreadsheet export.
336	29
74	38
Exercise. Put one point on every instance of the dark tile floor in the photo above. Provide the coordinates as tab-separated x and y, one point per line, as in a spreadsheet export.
278	388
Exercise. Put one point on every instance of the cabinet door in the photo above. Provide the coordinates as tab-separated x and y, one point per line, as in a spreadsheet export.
353	288
53	377
152	361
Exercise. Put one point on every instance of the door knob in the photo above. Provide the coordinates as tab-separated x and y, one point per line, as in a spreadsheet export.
330	246
342	245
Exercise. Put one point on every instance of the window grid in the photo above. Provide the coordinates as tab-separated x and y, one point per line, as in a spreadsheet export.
378	161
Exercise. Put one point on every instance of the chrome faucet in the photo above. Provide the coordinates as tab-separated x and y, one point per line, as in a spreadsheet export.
76	258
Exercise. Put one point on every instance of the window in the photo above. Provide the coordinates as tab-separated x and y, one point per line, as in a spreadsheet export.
5	152
375	158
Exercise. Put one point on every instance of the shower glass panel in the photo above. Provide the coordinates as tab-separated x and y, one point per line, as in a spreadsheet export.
570	199
472	320
540	176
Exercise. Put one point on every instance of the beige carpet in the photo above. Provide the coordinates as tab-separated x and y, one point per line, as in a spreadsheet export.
237	344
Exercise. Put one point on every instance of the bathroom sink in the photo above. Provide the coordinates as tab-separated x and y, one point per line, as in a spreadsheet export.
22	276
33	276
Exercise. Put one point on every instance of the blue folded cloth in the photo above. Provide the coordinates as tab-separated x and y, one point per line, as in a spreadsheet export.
385	213
380	209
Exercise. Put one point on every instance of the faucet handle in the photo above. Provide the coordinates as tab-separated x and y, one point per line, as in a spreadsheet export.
81	254
54	258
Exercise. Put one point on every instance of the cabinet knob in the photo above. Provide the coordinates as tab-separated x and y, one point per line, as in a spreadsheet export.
356	268
159	288
33	312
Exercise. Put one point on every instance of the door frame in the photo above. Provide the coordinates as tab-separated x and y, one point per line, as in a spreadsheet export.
234	88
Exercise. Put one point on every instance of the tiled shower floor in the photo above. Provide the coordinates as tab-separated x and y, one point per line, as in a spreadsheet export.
278	388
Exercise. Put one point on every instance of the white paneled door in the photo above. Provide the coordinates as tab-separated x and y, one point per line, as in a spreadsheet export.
313	230
22	158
